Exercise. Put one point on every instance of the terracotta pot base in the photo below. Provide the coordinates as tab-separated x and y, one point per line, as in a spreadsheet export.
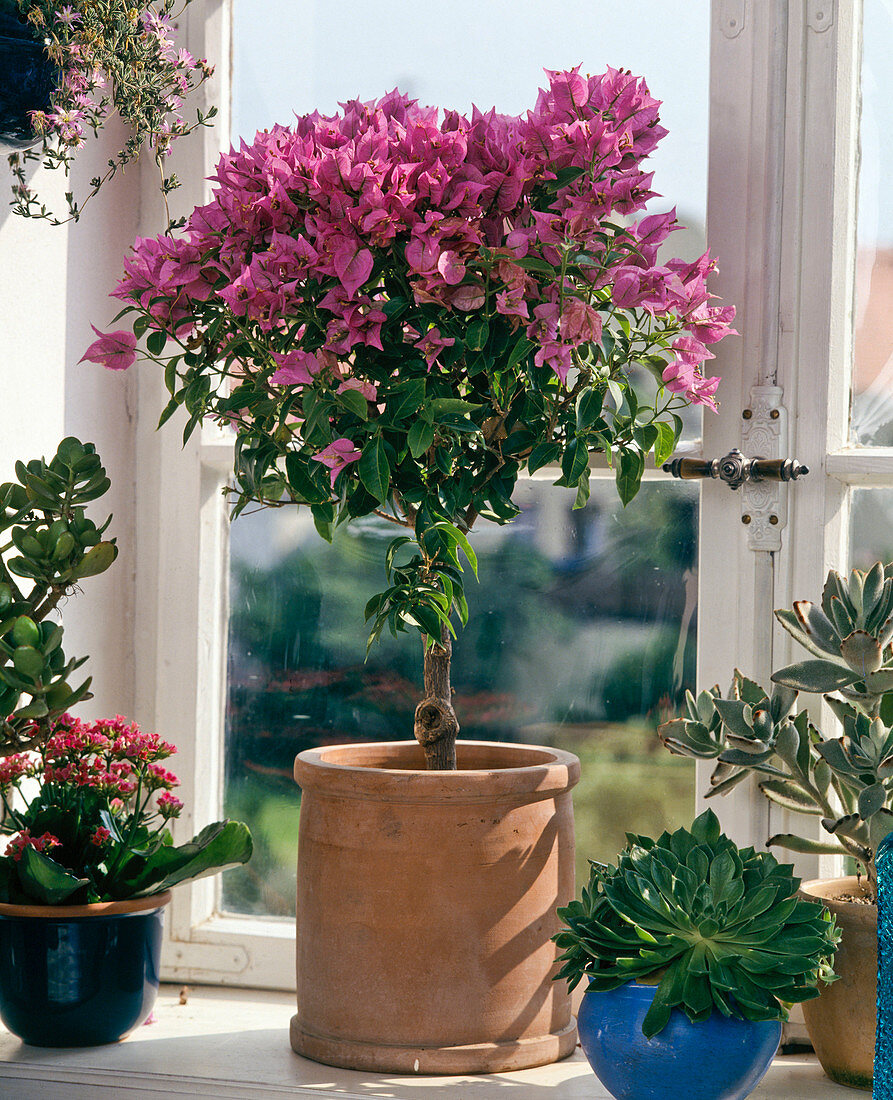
841	1022
502	1057
426	907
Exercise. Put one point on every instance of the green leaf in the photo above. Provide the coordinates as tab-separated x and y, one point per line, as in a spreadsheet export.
629	474
155	341
420	438
355	401
223	844
441	406
44	880
574	461
589	407
541	455
374	469
666	442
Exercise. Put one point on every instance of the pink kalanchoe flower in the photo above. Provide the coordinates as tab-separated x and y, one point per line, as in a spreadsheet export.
169	805
99	836
337	455
113	350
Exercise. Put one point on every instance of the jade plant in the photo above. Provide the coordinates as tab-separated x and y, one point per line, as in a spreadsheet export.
716	929
49	546
87	815
846	780
397	315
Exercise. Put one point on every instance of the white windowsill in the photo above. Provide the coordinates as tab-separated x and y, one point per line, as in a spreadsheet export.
233	1045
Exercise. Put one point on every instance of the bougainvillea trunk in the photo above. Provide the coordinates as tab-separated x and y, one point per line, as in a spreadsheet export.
436	727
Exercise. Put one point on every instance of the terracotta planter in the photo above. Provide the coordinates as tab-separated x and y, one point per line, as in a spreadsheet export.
841	1022
79	975
426	903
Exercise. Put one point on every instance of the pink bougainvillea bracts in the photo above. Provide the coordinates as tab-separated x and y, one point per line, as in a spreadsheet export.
93	802
399	311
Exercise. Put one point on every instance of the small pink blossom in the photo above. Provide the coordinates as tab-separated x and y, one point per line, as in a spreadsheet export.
113	350
100	836
337	455
432	344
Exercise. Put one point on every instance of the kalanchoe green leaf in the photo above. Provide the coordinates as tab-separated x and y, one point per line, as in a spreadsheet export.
696	914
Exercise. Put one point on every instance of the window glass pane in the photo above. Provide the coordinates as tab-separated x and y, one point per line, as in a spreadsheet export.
872	422
871	527
581	635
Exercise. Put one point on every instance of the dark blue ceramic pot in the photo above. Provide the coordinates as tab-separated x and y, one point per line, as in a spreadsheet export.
719	1059
79	975
27	81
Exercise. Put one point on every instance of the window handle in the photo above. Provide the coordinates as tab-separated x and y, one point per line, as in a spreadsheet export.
735	468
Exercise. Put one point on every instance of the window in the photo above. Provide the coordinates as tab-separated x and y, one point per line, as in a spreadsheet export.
783	127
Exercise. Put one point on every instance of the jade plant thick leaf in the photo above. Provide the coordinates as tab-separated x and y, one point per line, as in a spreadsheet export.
48	547
715	927
845	780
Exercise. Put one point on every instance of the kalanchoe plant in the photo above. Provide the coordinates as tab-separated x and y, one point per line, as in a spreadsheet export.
399	314
845	780
715	927
48	545
113	57
88	814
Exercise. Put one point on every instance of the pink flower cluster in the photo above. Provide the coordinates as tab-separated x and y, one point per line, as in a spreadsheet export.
81	102
332	217
18	844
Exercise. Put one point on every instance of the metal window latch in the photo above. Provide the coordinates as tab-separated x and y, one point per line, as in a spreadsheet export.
764	506
735	468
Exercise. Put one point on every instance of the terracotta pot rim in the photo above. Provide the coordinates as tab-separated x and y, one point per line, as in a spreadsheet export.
94	909
815	888
546	773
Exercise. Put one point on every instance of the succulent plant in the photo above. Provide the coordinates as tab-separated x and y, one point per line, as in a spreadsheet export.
49	546
717	928
847	780
850	635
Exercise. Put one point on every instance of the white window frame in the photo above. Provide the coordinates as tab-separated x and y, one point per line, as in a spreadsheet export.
781	217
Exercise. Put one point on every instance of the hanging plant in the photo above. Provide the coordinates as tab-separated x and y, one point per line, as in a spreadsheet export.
97	59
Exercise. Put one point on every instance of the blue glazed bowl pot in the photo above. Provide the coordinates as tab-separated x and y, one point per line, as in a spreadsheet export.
719	1059
79	975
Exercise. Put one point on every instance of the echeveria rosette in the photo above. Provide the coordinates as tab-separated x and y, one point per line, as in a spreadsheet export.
87	815
715	927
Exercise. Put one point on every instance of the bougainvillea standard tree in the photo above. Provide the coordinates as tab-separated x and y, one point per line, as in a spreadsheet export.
400	312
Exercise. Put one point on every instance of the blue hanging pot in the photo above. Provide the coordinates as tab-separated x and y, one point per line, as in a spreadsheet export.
27	80
718	1059
79	975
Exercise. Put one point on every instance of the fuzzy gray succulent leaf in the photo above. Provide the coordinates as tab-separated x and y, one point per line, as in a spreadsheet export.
880	825
850	825
871	800
815	676
880	681
736	716
792	624
816	625
790	795
862	653
805	845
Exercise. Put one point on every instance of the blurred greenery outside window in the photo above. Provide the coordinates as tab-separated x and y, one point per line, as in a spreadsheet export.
581	634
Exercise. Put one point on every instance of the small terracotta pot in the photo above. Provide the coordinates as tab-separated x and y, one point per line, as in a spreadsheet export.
841	1022
426	906
79	975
